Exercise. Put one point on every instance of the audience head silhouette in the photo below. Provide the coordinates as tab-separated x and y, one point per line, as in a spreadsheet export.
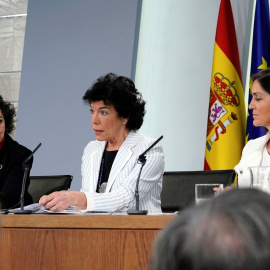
231	232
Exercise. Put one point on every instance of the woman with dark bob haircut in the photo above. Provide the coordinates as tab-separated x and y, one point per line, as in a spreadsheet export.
122	94
110	164
12	156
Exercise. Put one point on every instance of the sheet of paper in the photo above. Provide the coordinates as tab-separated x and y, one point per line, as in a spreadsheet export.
37	209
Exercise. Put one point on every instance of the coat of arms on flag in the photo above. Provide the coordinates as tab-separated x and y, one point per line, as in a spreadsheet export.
224	95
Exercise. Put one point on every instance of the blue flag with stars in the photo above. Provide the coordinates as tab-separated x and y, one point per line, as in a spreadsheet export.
260	57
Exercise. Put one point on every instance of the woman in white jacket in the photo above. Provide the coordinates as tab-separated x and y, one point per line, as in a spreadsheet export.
257	152
110	166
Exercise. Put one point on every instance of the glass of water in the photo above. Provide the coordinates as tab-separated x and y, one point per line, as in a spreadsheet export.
205	192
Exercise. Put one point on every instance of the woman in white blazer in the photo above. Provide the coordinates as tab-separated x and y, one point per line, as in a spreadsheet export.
257	152
110	166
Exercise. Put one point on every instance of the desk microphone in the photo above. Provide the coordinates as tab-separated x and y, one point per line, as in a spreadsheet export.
25	167
142	160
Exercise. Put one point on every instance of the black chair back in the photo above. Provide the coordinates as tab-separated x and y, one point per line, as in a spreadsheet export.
44	185
178	188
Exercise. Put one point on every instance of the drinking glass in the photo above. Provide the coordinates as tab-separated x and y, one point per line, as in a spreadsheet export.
205	192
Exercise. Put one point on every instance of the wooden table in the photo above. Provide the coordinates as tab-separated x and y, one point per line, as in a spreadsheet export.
62	242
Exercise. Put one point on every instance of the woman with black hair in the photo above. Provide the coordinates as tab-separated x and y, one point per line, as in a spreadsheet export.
257	151
12	156
110	164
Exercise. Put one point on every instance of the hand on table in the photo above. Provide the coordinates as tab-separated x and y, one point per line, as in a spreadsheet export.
60	200
224	189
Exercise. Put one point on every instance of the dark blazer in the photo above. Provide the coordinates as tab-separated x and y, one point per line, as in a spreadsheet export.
12	156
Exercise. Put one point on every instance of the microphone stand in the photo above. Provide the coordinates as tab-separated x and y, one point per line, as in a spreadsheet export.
25	167
142	161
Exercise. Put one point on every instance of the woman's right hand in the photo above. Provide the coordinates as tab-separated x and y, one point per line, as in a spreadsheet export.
216	189
60	200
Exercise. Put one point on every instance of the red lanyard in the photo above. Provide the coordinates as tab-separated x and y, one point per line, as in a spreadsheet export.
1	143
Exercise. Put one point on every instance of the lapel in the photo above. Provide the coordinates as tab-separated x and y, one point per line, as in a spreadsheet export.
94	165
124	154
4	154
255	158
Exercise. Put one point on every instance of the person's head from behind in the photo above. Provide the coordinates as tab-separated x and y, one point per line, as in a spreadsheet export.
260	103
230	232
116	106
7	117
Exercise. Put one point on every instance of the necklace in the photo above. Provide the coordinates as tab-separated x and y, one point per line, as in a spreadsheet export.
101	187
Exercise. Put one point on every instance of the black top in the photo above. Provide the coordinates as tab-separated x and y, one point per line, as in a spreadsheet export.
12	156
108	157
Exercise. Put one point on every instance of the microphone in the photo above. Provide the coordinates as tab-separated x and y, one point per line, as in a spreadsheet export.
151	146
142	160
25	167
30	156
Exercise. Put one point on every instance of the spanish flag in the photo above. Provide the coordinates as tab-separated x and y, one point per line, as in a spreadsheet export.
226	125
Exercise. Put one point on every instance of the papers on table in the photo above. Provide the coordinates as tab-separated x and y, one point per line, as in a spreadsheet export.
37	209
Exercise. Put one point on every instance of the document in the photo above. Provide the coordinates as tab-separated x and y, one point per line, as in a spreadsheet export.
37	209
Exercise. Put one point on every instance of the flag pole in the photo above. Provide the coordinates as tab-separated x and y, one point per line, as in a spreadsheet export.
247	81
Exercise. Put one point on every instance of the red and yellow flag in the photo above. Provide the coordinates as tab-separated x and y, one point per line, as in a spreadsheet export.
225	137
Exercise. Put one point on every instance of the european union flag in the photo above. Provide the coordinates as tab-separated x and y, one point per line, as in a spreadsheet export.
260	57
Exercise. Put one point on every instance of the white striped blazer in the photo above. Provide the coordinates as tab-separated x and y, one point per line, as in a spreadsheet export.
120	192
251	156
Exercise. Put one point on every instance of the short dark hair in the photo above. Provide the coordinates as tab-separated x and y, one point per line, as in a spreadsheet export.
230	232
9	114
263	77
119	91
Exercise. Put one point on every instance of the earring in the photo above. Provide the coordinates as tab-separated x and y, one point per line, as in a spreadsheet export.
124	122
